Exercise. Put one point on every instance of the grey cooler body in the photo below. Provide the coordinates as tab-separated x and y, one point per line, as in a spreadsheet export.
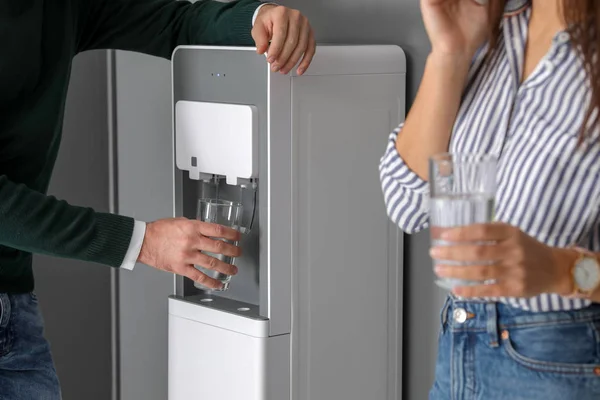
316	310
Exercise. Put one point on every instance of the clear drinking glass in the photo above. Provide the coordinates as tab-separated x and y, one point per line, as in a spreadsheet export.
226	213
462	192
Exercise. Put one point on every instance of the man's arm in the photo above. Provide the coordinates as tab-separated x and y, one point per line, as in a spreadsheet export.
36	223
33	222
156	27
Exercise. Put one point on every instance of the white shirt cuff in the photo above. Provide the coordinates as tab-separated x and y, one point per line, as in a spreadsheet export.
137	238
258	9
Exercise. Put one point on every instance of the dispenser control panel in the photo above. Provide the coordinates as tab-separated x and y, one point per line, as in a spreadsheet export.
216	139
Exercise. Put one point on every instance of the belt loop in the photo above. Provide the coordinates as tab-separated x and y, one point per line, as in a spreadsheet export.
4	310
444	315
492	323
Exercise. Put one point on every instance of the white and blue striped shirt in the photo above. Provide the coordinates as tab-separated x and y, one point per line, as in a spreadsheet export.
546	186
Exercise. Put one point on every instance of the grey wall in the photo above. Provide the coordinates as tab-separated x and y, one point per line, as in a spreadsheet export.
74	295
393	22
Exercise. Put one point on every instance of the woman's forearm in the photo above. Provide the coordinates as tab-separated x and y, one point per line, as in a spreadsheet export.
429	123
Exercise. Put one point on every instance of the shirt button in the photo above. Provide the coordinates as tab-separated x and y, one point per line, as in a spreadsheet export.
549	65
563	37
460	315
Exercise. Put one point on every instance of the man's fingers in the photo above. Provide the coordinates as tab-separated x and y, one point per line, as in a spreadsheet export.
292	40
197	276
300	48
217	246
280	29
212	263
308	54
216	231
260	34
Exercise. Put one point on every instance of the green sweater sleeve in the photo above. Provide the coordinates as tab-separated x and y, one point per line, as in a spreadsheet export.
33	222
156	27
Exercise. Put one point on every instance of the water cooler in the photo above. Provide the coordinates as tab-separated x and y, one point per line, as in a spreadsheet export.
315	312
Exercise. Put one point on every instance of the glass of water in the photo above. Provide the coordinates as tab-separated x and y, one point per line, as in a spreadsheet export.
226	213
462	192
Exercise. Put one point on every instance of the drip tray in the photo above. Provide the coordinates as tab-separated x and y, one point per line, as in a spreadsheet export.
223	304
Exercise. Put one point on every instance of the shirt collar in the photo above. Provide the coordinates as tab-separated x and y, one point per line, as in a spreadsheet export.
514	7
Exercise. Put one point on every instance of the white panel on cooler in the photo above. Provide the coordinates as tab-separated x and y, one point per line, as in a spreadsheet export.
209	360
217	139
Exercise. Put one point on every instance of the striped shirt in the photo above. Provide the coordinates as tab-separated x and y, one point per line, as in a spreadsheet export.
546	186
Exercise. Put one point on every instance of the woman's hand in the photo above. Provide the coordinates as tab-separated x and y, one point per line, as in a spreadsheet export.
517	264
455	27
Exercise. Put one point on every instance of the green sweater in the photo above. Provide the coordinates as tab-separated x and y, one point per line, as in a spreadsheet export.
38	40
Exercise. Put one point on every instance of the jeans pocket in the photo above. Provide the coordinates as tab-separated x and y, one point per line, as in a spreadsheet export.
569	349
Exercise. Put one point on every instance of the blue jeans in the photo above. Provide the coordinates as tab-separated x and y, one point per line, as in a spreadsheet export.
491	351
26	368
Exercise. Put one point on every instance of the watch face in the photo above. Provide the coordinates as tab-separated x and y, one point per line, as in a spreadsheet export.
587	274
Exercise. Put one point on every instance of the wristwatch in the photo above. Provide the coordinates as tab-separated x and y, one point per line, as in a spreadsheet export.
586	273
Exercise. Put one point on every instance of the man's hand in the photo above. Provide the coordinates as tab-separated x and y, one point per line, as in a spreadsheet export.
174	245
290	35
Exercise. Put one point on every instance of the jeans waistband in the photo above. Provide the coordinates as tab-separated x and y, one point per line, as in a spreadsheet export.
493	317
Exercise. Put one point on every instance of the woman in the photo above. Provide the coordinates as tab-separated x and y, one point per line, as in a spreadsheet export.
520	80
